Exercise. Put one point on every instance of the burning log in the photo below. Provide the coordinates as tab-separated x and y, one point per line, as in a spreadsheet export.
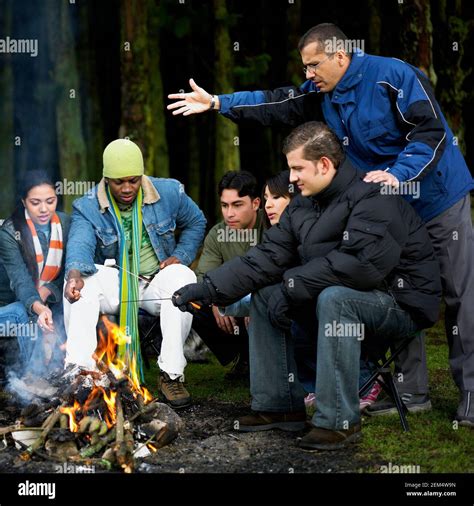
124	440
90	451
98	411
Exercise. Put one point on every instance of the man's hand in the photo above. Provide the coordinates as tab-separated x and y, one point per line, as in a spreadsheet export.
169	261
74	285
278	306
45	316
226	323
191	297
199	100
380	176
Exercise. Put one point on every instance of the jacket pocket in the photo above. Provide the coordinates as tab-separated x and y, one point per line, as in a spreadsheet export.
367	227
106	236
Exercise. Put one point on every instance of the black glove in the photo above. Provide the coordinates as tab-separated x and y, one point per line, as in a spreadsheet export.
192	297
278	307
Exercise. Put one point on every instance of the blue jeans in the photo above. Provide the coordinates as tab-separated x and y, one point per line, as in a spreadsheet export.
344	318
14	323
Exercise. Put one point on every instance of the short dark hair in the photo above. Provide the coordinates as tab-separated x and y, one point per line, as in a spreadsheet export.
317	140
242	181
321	34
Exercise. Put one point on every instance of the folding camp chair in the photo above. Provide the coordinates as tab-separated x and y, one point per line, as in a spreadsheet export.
383	374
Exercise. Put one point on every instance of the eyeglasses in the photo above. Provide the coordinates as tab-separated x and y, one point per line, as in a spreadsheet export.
311	67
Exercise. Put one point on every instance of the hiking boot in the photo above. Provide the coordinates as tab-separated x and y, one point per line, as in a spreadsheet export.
173	391
325	439
262	420
239	371
465	411
415	403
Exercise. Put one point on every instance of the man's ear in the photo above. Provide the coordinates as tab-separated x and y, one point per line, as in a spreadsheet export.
327	165
256	203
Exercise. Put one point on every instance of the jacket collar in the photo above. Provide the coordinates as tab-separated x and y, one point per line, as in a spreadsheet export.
350	79
150	193
345	173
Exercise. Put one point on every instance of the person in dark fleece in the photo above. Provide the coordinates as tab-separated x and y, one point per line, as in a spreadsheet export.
347	261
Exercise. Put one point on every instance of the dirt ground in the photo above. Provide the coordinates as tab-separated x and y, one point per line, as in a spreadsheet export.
209	444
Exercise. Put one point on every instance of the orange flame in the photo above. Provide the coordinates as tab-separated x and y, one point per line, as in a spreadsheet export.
71	412
111	415
134	380
152	448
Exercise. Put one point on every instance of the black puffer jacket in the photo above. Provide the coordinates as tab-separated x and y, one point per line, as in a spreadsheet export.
350	234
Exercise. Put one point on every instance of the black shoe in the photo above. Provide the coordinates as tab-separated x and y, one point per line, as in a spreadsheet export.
465	411
261	420
415	403
325	439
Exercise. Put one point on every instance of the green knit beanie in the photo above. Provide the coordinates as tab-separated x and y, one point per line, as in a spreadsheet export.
122	158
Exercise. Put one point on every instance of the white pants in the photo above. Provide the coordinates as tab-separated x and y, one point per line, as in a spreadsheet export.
100	294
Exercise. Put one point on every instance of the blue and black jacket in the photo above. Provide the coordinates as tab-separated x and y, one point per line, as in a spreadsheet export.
384	112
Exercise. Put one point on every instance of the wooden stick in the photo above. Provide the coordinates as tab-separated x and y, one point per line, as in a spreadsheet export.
52	420
92	450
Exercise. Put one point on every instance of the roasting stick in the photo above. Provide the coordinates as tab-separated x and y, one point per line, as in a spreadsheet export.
110	262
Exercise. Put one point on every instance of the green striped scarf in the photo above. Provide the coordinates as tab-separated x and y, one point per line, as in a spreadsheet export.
129	283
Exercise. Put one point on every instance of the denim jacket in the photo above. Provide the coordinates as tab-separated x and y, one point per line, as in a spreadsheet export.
166	207
16	283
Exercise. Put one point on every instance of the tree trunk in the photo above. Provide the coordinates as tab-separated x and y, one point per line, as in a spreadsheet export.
93	116
453	35
143	119
375	26
227	156
295	67
417	36
7	170
71	146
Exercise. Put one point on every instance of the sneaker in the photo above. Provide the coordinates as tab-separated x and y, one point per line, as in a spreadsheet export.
262	420
415	403
371	397
465	411
325	439
173	391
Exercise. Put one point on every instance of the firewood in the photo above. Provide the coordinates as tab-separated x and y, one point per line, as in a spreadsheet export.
51	422
103	428
91	450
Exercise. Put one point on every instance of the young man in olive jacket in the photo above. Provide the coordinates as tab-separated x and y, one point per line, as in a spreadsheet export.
347	255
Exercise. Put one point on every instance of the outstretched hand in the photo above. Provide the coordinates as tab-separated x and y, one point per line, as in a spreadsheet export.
195	102
192	297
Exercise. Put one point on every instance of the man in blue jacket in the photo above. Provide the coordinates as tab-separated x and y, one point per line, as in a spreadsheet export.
384	112
130	220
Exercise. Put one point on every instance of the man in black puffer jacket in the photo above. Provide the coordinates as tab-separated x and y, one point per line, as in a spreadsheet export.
347	255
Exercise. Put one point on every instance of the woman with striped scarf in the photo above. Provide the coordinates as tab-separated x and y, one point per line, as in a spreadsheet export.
32	254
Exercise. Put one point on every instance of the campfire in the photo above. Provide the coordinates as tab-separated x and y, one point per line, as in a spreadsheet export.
104	417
